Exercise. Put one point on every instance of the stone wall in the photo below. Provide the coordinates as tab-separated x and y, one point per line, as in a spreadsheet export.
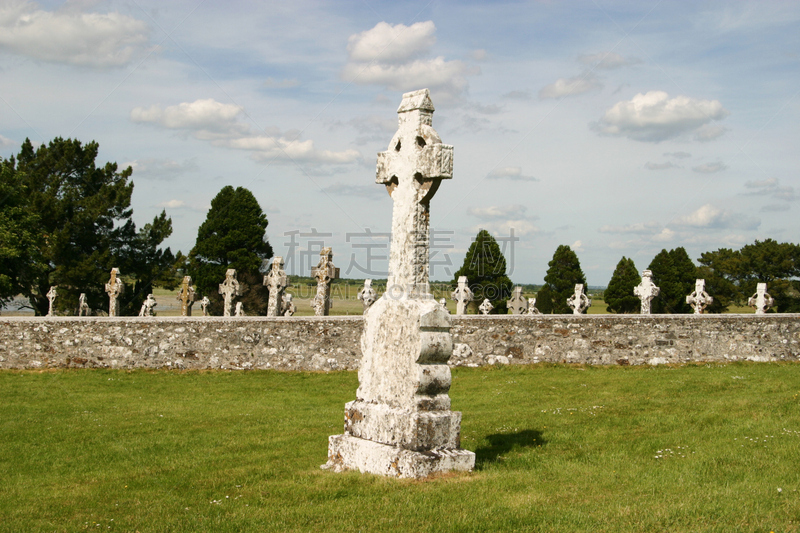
332	343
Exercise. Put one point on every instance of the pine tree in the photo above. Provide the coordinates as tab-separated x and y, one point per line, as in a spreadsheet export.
485	268
563	274
675	274
232	236
619	297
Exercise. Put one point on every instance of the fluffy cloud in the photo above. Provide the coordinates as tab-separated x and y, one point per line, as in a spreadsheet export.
563	87
655	116
162	169
98	40
503	228
607	60
5	142
709	216
219	123
710	168
643	228
709	132
509	173
660	166
172	204
771	187
394	56
495	212
502	220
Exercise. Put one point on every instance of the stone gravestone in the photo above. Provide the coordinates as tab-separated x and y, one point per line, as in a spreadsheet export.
532	310
148	306
517	304
114	288
761	300
239	310
229	289
462	295
276	281
400	423
51	297
204	303
325	272
699	299
367	294
486	307
579	302
83	307
287	305
646	291
186	296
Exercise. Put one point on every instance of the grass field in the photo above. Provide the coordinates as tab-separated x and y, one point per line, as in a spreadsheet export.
559	448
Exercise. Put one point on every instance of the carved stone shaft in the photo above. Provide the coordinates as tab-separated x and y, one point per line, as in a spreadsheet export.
114	288
229	289
325	273
51	296
276	281
462	295
186	296
646	291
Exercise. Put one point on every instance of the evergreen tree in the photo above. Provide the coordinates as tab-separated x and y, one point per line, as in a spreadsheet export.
563	274
485	268
675	274
544	300
232	236
83	227
619	297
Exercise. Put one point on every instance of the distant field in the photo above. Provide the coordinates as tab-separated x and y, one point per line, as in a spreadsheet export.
698	448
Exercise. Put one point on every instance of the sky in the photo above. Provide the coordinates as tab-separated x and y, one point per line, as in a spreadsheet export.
617	128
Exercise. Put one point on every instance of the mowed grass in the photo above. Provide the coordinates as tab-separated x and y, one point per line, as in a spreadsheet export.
559	448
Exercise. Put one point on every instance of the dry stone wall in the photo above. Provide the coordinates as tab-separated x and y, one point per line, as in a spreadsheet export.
333	342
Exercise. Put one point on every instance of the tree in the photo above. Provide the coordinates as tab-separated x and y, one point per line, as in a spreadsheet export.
83	225
563	274
232	236
619	295
675	274
485	268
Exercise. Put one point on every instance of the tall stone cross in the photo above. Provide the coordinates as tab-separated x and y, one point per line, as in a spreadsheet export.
646	291
400	423
761	300
517	304
462	295
51	296
83	307
229	289
186	296
579	302
276	281
325	272
114	288
412	169
699	299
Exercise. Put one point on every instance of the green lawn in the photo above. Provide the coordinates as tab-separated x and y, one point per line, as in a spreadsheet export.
559	448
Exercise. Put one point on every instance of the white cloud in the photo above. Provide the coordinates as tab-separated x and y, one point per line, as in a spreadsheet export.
270	83
655	116
710	216
607	60
495	212
164	169
710	168
98	40
509	173
5	141
501	220
577	246
499	228
393	56
771	187
660	166
665	235
172	204
209	120
709	132
563	87
644	228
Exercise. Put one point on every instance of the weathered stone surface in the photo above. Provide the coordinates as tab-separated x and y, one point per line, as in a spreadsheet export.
367	294
332	343
114	288
51	297
229	289
462	295
486	307
83	307
517	304
148	306
276	281
325	272
532	310
761	300
186	296
287	305
579	302
204	303
699	299
646	291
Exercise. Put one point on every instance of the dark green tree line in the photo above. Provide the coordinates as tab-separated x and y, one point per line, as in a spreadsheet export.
485	268
619	297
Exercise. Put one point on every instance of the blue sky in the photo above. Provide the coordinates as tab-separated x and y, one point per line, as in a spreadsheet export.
618	128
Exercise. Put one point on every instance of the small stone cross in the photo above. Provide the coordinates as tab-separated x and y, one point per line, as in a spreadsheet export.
240	309
412	170
486	307
83	307
204	303
761	300
532	307
51	296
186	296
517	304
579	302
276	281
367	294
699	299
325	272
148	306
287	305
114	288
462	295
229	289
646	291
